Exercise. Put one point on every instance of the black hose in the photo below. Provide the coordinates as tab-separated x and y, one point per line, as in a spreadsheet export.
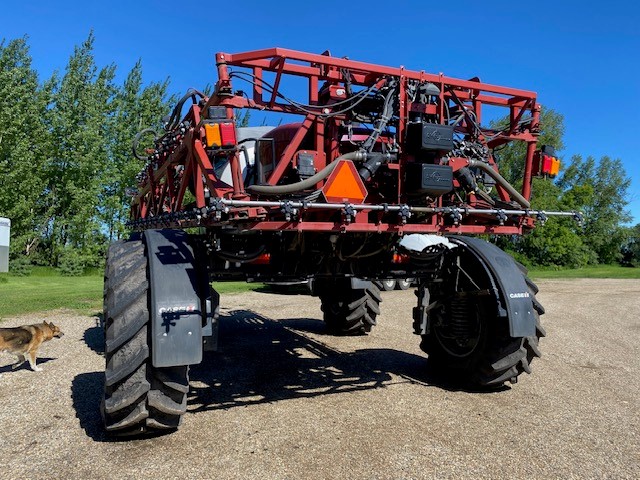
307	183
501	181
136	142
373	163
362	94
174	119
381	123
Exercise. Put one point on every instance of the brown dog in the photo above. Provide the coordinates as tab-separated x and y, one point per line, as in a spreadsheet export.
24	341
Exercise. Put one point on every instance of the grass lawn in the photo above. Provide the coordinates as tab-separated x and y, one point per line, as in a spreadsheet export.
598	271
235	287
37	293
45	289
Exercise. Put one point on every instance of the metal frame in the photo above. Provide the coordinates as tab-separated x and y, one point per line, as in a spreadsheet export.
185	165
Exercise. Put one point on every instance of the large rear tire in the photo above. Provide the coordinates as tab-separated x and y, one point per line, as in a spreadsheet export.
468	337
351	312
138	397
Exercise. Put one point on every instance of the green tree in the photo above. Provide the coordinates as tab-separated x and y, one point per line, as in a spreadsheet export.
557	242
600	191
135	108
65	152
597	189
23	145
79	122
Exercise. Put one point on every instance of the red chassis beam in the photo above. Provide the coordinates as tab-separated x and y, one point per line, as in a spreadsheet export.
302	226
325	67
189	168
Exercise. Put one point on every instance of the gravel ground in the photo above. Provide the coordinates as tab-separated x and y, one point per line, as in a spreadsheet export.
283	400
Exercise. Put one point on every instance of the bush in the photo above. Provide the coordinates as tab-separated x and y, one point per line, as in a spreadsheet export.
630	250
520	258
20	266
71	263
631	254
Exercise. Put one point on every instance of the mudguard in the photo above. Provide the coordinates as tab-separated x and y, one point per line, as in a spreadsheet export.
177	306
515	298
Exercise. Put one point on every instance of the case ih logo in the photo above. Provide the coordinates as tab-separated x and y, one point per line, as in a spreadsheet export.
179	309
519	295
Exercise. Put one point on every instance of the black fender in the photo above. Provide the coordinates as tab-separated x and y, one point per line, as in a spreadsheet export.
514	299
178	301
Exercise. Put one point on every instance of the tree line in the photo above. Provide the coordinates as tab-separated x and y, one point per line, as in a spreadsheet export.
65	152
597	189
65	157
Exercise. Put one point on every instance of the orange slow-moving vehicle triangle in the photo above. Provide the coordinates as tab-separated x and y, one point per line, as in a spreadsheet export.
344	184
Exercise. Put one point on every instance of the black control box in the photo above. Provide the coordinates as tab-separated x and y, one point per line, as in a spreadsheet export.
428	179
423	136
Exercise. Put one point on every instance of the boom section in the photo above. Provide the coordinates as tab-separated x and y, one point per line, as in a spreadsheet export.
368	148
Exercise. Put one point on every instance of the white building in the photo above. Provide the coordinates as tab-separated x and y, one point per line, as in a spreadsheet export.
5	227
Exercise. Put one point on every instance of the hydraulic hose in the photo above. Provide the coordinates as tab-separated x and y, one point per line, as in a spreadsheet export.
307	183
373	163
501	181
174	119
136	142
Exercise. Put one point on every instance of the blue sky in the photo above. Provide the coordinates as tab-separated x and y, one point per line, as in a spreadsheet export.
582	58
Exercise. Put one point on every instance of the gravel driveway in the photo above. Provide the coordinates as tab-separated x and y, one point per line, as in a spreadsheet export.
283	400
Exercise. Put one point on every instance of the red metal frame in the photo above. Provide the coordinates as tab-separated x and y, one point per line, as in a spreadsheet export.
187	168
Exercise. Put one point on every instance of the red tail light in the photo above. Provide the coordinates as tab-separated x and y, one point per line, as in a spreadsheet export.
220	135
545	163
228	134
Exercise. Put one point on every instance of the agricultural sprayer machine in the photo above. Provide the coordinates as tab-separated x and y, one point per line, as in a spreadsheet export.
384	173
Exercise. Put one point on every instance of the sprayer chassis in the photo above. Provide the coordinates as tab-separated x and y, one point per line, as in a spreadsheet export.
160	201
283	220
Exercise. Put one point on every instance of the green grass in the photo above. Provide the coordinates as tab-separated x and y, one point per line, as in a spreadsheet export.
235	287
37	293
45	289
598	271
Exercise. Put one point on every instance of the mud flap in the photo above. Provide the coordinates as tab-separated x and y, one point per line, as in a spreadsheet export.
210	329
514	299
176	300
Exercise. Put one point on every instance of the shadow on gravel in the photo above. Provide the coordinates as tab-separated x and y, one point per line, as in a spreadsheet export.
86	388
25	366
86	394
94	337
261	361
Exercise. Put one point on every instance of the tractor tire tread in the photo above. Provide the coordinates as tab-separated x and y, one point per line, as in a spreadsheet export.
502	359
353	312
139	399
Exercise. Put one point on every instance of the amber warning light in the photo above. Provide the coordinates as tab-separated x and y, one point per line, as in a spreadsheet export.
220	135
545	162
